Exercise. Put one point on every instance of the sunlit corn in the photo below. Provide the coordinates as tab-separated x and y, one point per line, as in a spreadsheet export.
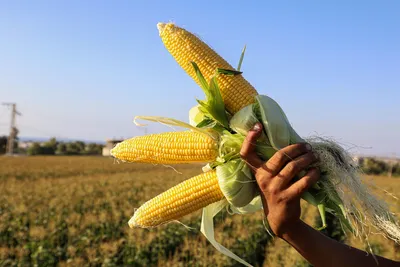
186	47
168	148
182	199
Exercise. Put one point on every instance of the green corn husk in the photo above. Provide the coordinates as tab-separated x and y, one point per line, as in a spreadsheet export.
236	182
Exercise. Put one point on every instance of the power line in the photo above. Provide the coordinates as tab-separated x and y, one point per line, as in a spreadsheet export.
42	132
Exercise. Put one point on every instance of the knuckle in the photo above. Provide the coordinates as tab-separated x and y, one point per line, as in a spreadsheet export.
311	156
316	171
263	185
282	198
313	171
273	190
280	156
300	190
249	138
304	185
304	147
314	174
292	167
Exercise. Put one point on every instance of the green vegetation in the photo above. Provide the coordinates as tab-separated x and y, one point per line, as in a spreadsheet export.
53	147
73	211
374	166
3	144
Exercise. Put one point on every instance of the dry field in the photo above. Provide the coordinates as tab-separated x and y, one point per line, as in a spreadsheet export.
73	211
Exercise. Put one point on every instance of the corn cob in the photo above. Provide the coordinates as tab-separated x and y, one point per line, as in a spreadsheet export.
182	199
186	47
168	148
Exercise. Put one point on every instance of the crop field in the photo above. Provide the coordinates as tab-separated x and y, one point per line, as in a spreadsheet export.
73	211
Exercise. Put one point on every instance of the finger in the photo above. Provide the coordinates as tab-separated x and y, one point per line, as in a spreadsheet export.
301	186
248	150
293	168
285	155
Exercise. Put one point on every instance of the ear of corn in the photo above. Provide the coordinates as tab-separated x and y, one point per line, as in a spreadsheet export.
168	148
182	199
186	48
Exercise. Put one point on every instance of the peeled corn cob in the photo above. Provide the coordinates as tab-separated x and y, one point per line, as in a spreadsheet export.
182	199
168	148
186	47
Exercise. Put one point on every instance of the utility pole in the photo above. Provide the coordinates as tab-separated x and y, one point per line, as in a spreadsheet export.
13	129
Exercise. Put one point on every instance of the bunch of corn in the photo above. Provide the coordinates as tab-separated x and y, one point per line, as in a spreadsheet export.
190	146
231	108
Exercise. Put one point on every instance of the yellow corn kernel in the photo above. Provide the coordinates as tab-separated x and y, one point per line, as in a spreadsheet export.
167	148
180	200
186	47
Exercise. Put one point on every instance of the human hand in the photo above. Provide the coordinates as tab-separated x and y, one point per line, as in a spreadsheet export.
280	195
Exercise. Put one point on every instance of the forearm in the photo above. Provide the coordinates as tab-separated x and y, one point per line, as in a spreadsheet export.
321	250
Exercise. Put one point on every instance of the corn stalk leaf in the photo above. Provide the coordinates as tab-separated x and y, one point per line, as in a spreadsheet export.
202	80
228	72
206	123
241	58
213	106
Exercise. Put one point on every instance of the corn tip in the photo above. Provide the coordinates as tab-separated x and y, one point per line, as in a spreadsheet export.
114	151
132	221
160	27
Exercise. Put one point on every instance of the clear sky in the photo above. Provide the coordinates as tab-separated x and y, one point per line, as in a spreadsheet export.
84	69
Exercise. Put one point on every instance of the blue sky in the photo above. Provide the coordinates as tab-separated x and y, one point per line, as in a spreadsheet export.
84	69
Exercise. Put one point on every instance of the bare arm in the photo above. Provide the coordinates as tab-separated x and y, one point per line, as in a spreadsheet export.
321	250
281	201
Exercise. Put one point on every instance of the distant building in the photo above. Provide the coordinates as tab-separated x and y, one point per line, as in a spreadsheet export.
25	144
110	144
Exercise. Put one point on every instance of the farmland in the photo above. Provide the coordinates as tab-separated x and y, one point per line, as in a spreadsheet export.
73	211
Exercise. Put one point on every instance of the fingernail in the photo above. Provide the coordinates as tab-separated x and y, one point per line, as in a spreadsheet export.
308	147
256	127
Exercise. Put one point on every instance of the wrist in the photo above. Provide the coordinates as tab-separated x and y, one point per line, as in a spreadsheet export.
291	230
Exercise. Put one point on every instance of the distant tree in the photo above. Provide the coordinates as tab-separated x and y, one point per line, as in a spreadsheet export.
81	145
374	166
74	148
61	149
396	169
4	141
3	144
51	144
93	149
52	147
34	149
49	147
